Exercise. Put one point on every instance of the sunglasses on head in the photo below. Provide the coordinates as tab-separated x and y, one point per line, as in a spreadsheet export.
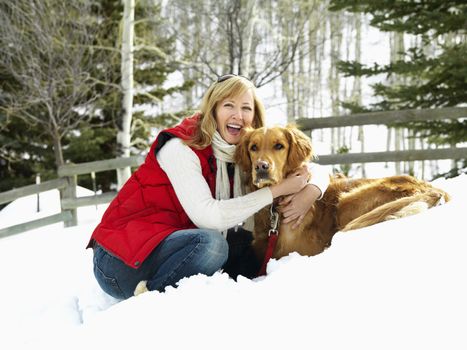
228	76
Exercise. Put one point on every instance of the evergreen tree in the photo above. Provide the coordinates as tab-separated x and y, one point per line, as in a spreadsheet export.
25	148
431	79
153	63
22	154
44	82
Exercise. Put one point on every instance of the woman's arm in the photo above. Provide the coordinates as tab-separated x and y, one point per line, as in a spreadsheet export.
183	168
320	177
294	207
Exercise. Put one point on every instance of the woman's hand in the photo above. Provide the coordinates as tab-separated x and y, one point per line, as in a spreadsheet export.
295	206
292	184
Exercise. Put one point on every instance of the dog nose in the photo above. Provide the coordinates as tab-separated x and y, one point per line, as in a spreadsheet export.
261	165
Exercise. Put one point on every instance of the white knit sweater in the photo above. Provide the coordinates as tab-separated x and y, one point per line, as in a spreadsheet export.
195	196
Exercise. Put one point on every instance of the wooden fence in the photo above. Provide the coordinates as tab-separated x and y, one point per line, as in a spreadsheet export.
67	180
389	118
66	183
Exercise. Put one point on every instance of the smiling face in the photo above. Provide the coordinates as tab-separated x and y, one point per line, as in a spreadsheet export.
233	114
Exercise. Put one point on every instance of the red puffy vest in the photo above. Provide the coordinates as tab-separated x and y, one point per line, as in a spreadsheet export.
146	209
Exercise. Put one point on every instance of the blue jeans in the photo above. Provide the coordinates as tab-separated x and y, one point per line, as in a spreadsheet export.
182	254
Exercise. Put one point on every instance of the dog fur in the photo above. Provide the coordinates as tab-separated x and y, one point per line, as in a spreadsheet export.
268	155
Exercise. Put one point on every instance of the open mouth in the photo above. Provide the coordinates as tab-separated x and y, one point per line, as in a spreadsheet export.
234	129
260	183
262	179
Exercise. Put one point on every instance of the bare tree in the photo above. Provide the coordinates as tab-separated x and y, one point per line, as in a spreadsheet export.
397	52
334	80
357	83
298	77
238	37
47	53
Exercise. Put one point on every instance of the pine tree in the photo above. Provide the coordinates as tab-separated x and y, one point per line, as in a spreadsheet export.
431	79
25	149
44	82
153	63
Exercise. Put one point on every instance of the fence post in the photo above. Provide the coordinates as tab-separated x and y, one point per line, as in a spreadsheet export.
38	181
69	192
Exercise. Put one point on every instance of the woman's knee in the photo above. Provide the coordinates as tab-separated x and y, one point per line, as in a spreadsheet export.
213	251
187	253
106	270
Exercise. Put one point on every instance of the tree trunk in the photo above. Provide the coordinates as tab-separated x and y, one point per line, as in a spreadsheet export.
124	132
357	88
333	79
397	49
250	29
287	76
58	150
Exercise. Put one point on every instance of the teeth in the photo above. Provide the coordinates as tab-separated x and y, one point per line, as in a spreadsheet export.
234	126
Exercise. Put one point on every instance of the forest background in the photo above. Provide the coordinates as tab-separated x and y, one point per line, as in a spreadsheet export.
77	78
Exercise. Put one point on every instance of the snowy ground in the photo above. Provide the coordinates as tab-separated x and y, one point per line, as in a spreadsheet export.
397	285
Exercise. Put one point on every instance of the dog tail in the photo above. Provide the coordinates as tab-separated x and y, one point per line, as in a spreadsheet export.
401	207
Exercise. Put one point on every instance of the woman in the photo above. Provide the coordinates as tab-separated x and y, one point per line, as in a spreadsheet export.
170	219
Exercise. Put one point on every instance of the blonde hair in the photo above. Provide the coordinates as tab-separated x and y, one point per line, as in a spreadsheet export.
232	87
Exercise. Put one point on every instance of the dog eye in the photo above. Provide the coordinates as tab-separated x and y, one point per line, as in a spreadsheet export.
278	146
253	148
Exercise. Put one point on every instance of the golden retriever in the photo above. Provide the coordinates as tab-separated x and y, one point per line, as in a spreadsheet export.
267	155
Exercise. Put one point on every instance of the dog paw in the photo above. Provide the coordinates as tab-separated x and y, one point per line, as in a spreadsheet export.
435	198
441	201
141	288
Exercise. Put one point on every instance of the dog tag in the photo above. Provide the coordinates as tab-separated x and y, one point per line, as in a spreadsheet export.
274	219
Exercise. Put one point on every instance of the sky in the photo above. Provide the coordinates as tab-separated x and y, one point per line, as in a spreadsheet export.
399	285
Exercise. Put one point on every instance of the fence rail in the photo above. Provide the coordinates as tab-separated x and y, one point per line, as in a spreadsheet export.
30	225
395	156
388	118
100	165
9	196
383	118
67	181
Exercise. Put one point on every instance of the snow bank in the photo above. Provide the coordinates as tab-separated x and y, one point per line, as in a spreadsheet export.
396	285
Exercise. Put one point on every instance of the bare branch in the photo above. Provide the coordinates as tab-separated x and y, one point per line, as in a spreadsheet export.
49	57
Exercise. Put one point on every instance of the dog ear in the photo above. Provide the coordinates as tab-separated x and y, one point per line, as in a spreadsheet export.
300	149
242	156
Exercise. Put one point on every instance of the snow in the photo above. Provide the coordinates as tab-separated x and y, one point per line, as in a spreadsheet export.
396	285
